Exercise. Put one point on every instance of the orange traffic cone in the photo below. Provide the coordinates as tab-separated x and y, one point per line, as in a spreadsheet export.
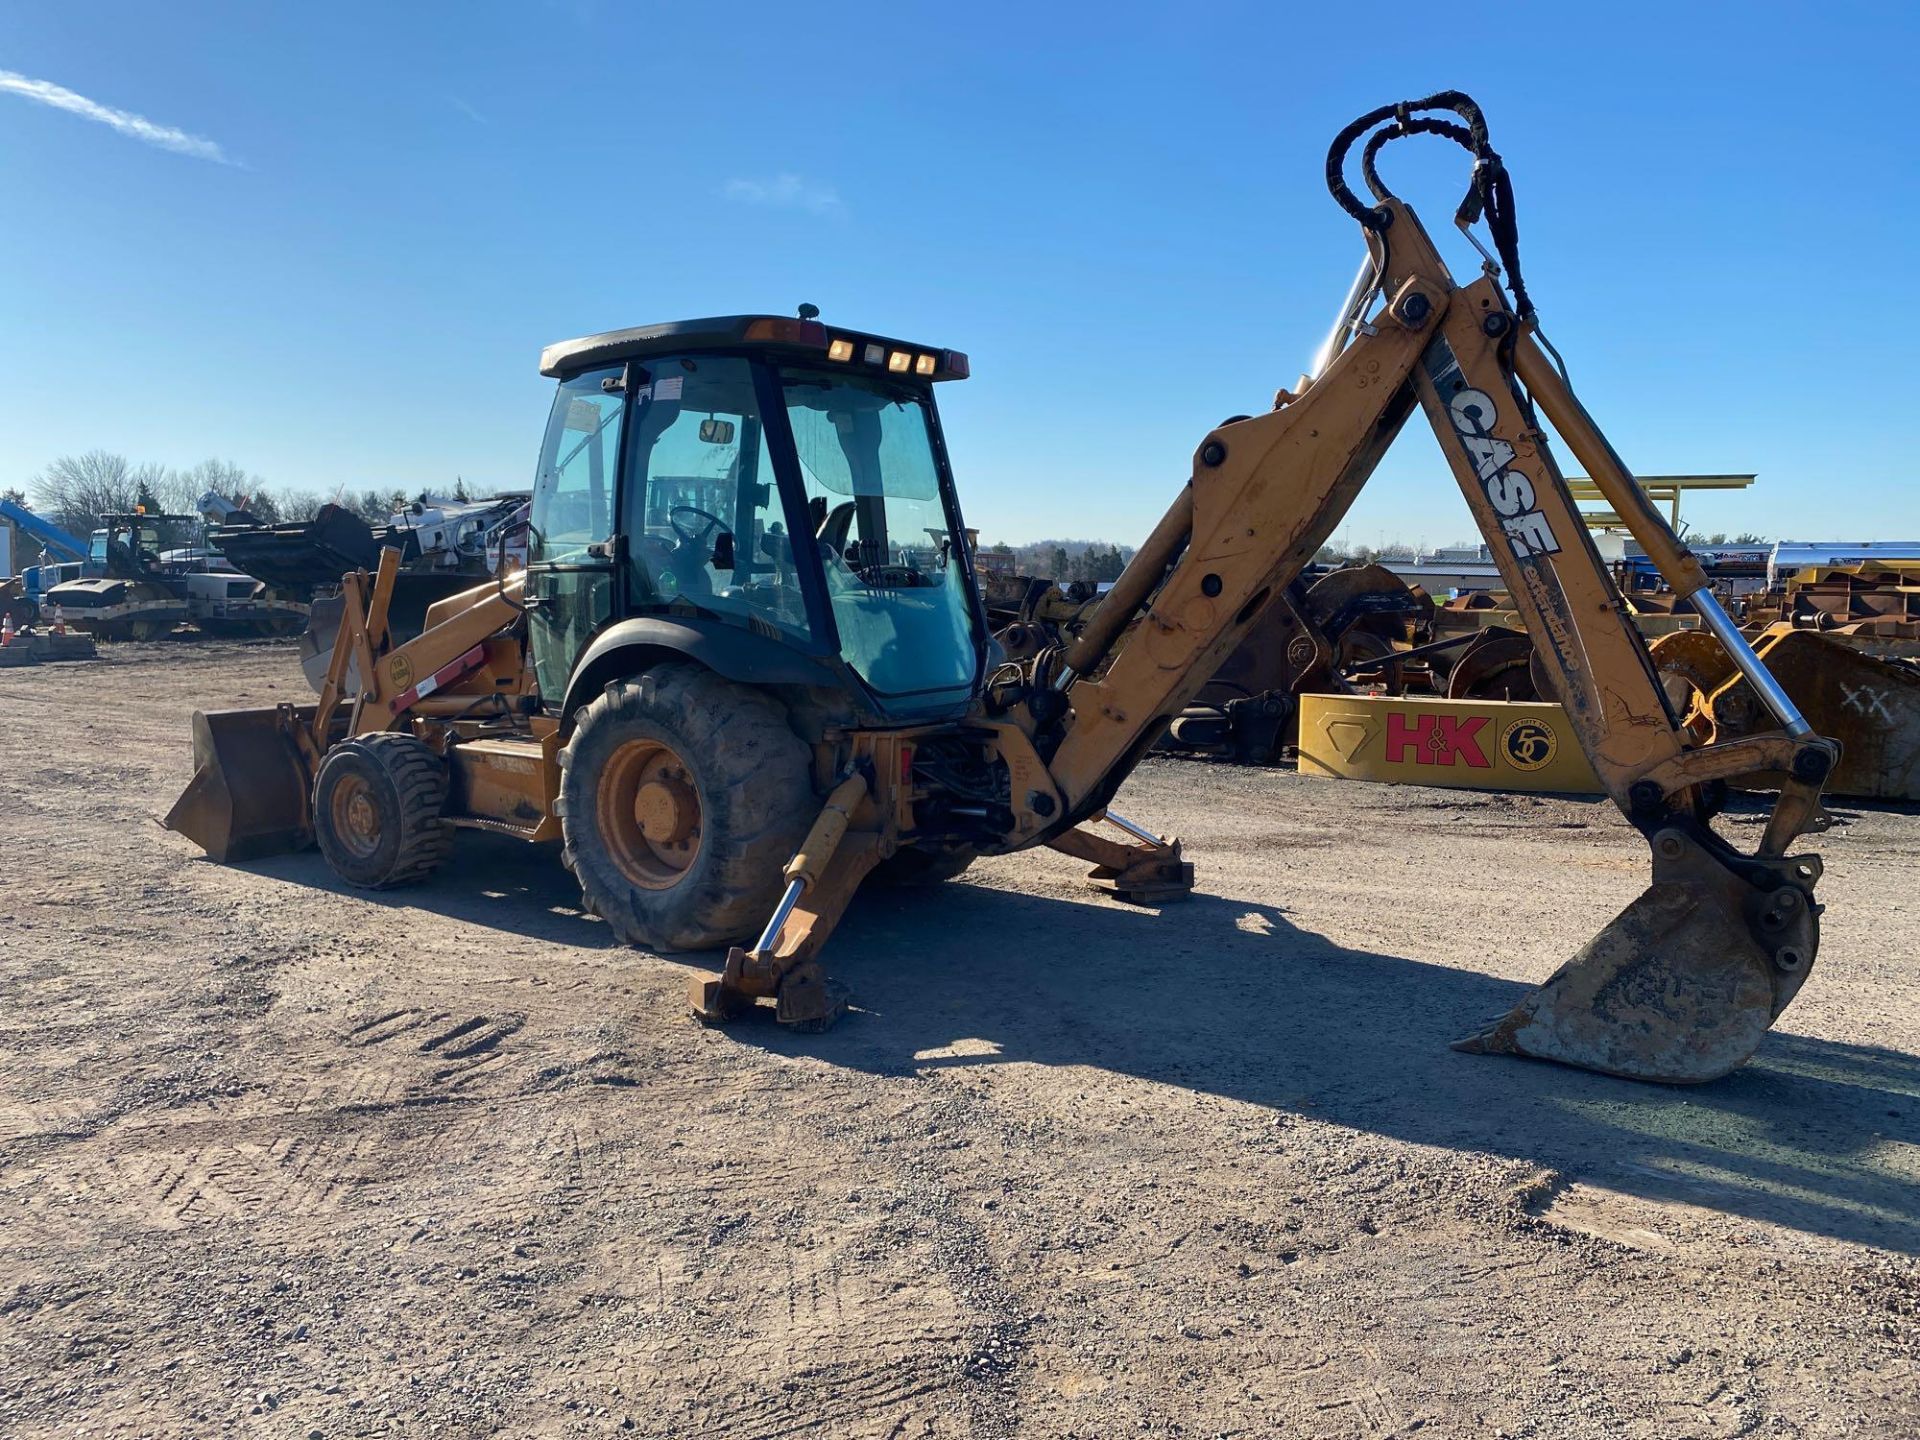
6	628
59	621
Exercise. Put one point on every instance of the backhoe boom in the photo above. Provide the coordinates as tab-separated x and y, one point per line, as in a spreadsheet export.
1692	973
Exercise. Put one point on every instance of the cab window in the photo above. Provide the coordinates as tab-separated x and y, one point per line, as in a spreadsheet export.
705	522
573	492
572	589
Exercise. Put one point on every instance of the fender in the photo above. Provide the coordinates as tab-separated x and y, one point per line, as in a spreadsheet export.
628	646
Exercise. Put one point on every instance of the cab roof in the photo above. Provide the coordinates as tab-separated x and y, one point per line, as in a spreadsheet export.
854	348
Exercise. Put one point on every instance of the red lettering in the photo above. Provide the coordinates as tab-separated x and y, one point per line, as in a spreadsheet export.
1401	739
1436	740
1459	733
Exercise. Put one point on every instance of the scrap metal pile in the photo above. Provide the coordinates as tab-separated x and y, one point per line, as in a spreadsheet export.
1843	640
1358	630
445	544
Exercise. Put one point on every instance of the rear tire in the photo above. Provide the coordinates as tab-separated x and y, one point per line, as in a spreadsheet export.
695	860
921	867
377	805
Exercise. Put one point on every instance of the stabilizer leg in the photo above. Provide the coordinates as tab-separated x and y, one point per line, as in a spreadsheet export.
1148	873
821	878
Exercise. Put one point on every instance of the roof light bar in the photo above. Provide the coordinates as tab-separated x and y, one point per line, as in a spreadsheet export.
787	332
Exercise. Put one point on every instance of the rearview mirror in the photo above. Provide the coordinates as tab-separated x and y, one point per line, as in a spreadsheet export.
716	432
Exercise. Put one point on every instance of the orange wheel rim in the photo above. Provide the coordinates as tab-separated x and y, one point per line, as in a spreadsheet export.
648	810
355	815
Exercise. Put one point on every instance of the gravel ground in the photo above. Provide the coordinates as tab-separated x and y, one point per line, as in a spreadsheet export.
281	1160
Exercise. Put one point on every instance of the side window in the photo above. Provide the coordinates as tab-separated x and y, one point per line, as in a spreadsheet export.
573	493
704	516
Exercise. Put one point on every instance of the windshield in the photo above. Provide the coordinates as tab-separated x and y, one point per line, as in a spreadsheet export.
895	574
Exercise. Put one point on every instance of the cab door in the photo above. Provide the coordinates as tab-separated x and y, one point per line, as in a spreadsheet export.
573	549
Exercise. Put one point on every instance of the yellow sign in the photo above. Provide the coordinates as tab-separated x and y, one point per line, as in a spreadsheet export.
1460	744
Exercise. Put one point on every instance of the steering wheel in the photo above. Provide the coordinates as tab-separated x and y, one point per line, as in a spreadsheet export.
694	537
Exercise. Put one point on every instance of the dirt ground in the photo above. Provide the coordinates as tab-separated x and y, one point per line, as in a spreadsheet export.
277	1159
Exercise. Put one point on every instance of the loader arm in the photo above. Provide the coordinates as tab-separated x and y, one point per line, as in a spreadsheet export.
1686	980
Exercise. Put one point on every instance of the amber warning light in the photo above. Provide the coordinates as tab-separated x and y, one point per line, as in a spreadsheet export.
928	364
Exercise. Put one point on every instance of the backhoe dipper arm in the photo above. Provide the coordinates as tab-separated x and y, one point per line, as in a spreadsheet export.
1692	973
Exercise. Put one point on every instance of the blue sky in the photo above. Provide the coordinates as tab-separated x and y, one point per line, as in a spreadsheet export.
342	267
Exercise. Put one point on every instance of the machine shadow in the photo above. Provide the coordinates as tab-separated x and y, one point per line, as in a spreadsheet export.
1222	996
491	880
1219	996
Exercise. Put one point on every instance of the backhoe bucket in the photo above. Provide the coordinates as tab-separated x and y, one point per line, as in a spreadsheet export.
249	792
1684	983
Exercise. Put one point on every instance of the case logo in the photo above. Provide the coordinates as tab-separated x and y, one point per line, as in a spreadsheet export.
1509	492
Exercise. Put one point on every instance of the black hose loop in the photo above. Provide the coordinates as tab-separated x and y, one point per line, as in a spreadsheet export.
1490	194
1408	120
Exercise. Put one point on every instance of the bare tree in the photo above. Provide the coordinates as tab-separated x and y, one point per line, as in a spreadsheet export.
298	505
233	483
16	495
76	490
377	508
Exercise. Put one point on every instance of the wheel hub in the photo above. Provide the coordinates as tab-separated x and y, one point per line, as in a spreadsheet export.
649	811
356	818
666	809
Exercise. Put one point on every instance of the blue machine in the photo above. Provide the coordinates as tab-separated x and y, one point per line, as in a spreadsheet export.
50	536
71	562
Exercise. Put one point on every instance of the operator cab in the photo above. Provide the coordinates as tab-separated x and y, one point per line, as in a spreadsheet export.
764	474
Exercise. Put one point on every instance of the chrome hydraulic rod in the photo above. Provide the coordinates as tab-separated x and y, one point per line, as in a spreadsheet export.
1779	704
1139	832
796	887
1350	308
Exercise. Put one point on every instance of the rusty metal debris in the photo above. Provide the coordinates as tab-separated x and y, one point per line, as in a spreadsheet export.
1869	703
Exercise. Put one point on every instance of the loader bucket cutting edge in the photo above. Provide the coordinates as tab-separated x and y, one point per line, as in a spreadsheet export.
1679	988
249	793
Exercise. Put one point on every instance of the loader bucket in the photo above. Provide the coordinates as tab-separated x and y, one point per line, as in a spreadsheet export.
1685	981
249	792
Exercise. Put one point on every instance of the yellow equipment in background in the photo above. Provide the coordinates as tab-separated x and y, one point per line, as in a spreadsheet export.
1455	744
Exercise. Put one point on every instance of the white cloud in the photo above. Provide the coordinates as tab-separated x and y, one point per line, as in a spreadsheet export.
467	110
787	191
136	127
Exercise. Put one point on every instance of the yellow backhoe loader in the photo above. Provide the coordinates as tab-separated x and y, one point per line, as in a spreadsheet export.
746	666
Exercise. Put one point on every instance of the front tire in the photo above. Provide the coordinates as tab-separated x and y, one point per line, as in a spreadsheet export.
377	805
682	797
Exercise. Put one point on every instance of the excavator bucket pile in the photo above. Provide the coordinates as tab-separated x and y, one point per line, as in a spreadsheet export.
248	795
